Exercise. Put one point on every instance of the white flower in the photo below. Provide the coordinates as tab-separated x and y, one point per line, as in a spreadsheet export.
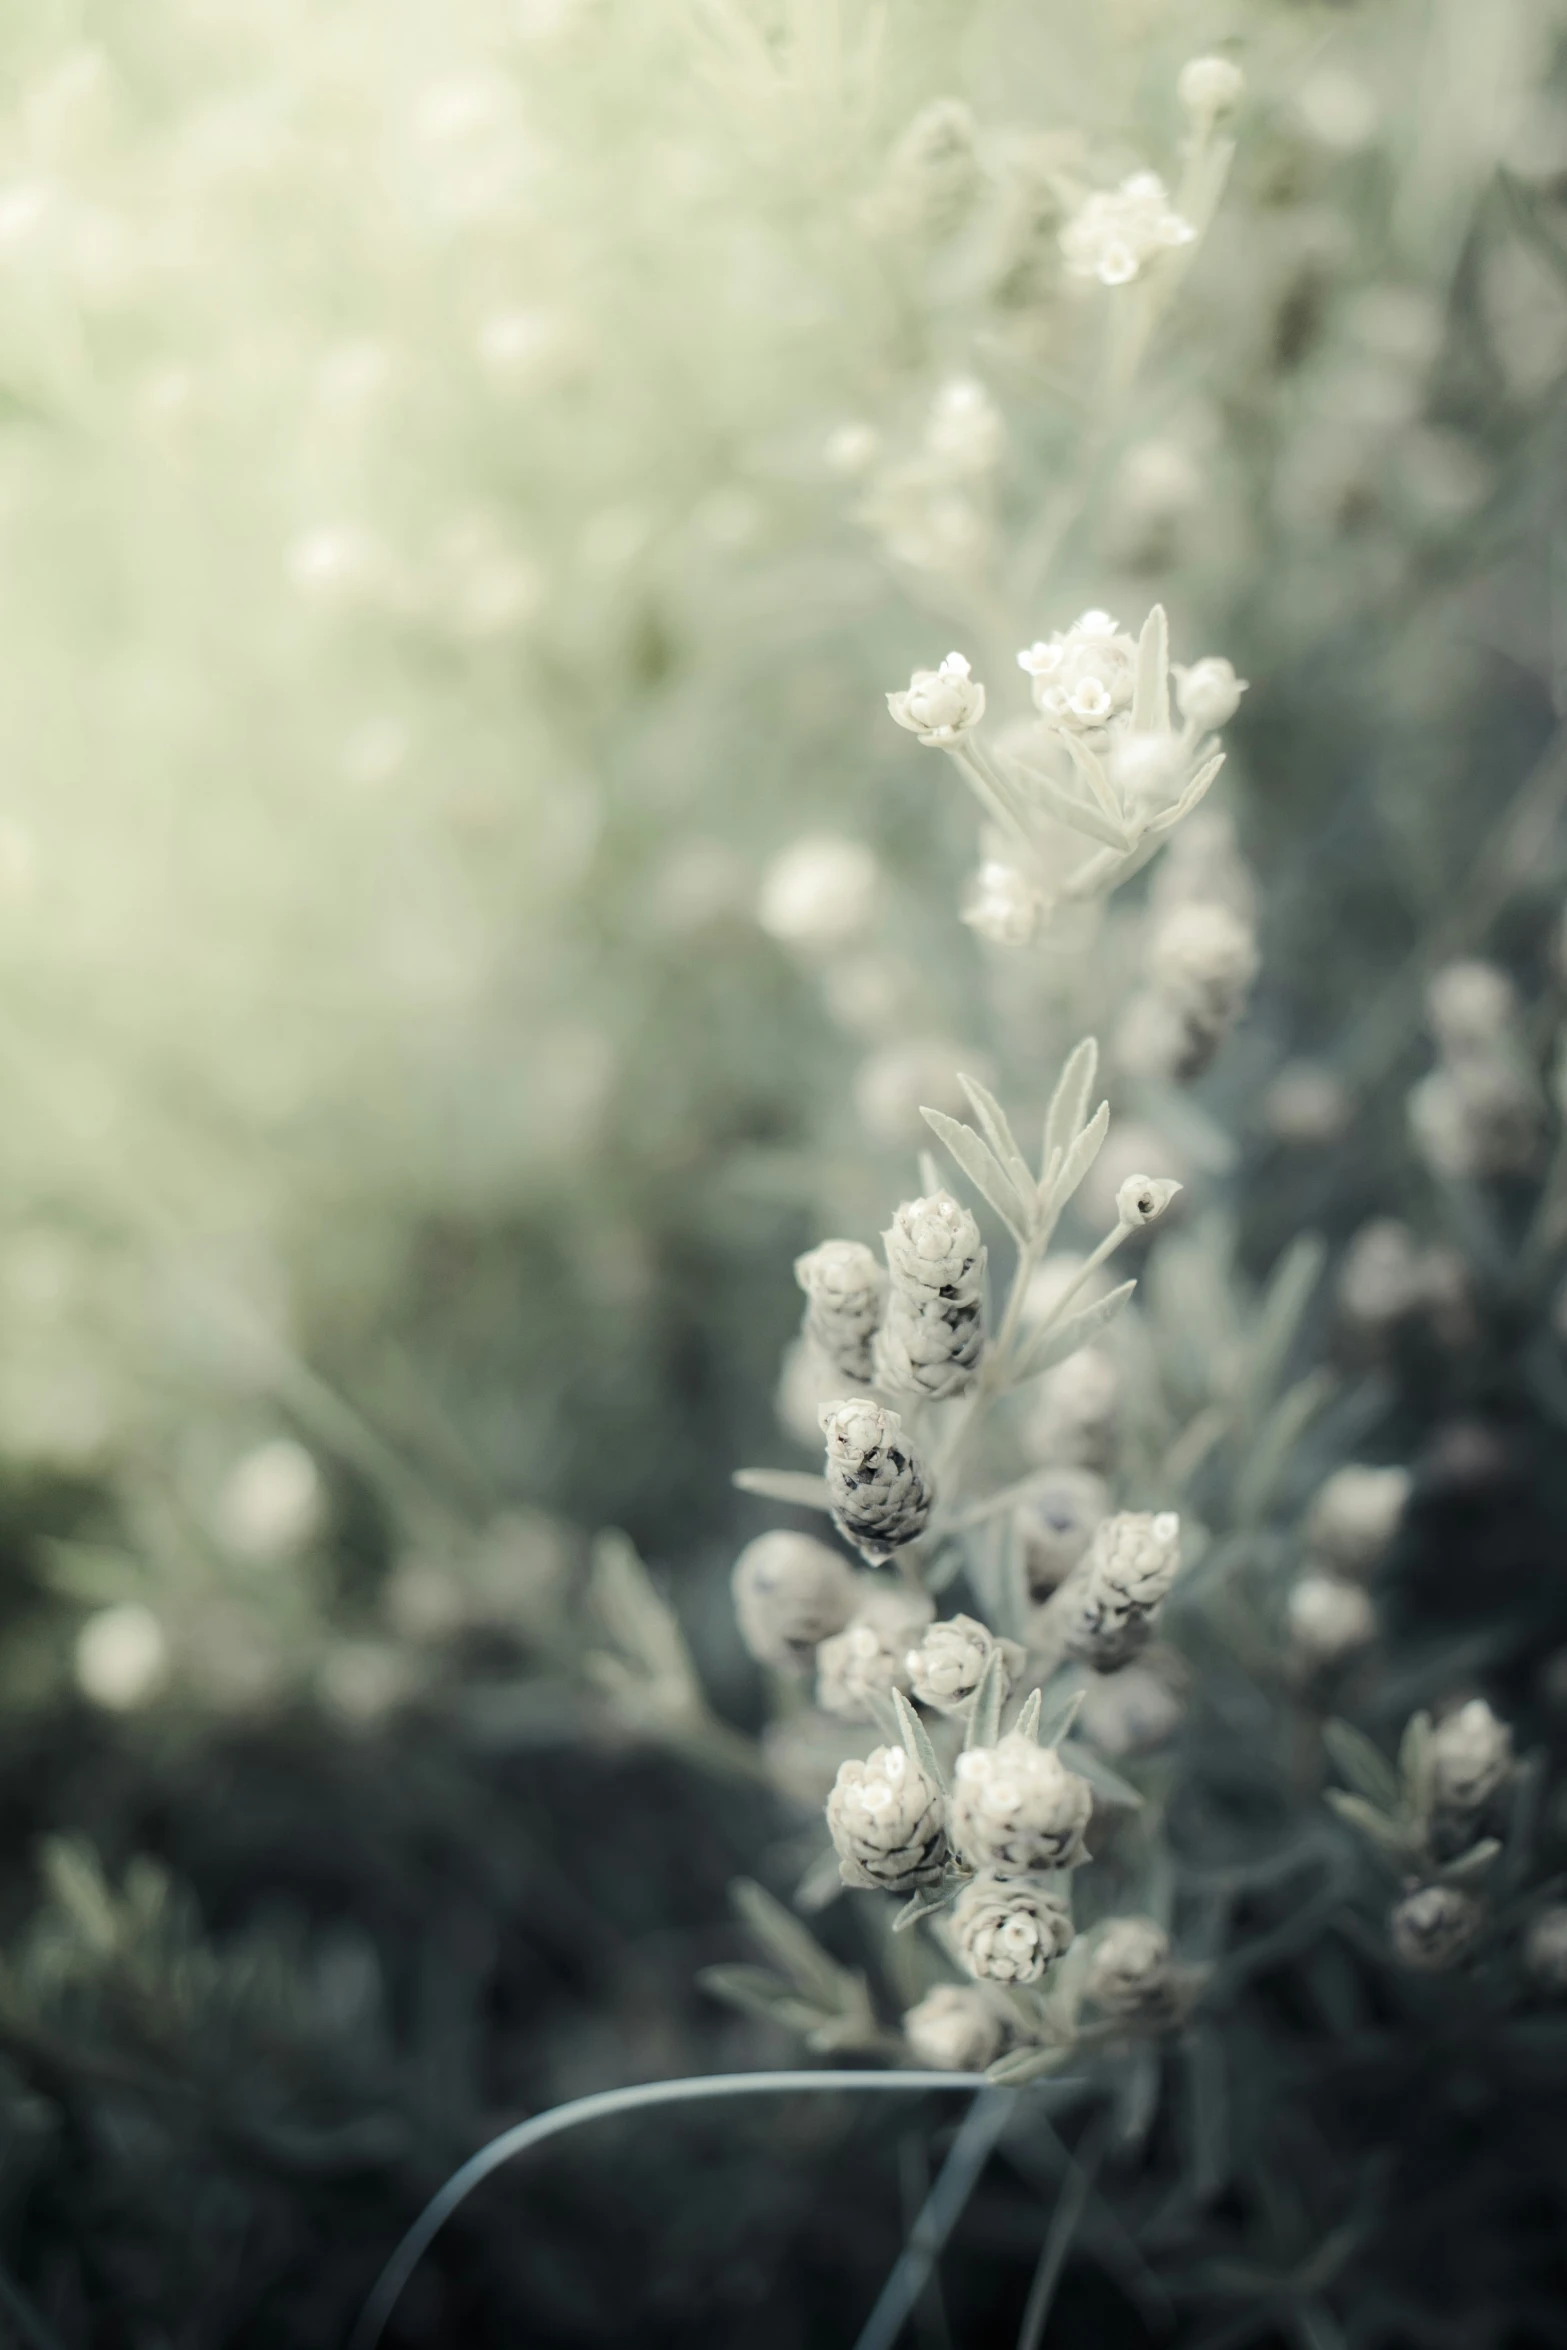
1002	905
1116	230
844	1288
1356	1515
1471	1757
870	1656
1016	1806
940	704
954	2029
851	448
1208	693
1209	87
790	1593
272	1503
1141	1199
122	1656
1329	1619
1435	1927
881	1498
1008	1930
965	431
1082	679
819	892
885	1819
930	1341
1129	1971
1471	1006
946	1668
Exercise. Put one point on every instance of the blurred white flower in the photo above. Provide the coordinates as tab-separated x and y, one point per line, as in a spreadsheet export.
1210	86
1002	905
1115	231
122	1656
819	892
1208	693
940	704
273	1502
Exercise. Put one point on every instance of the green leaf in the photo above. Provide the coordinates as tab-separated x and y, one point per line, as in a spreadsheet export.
1027	1723
1022	2065
1069	1103
793	1946
1151	688
999	1135
916	1740
1284	1301
755	1992
1090	769
1365	1766
918	1905
1080	1157
983	1169
1064	1711
1472	1863
1265	1463
1394	1842
1103	1780
984	1721
1050	1346
798	1487
1078	816
1414	1765
1195	791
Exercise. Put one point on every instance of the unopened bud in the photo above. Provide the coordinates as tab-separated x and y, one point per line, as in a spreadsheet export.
790	1594
1129	1973
954	2029
1008	1930
1016	1806
949	1663
1434	1928
880	1496
885	1819
1471	1757
1143	1198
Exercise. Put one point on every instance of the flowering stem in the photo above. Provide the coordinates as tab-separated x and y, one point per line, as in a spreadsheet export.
461	2184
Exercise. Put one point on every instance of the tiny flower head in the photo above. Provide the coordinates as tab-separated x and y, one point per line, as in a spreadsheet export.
1008	1929
949	1663
940	704
1434	1928
1016	1806
791	1593
1209	693
1471	1757
1130	1973
954	2029
1209	87
885	1819
1142	1199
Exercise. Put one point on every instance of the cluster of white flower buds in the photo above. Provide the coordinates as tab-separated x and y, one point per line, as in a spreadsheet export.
1130	1972
880	1495
941	704
1349	1529
1478	1114
931	1339
845	1289
1010	1929
1113	1601
886	1821
1016	1807
1115	232
950	1662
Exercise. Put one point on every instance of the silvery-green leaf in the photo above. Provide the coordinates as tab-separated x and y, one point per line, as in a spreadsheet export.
919	1905
1048	1347
1472	1863
1151	687
792	1945
1078	816
1394	1842
1103	1780
1276	1440
1027	1723
984	1721
930	1174
755	1992
983	1169
821	1884
1068	1109
1021	2065
884	1717
916	1740
1090	769
798	1487
1284	1301
999	1135
1195	791
1365	1766
641	1621
1064	1710
1414	1764
1080	1156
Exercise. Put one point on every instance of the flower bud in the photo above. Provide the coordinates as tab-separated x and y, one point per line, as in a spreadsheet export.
1143	1198
954	2030
880	1496
819	892
930	1341
946	1668
1471	1006
1209	87
1008	1930
1356	1515
1075	1420
1056	1525
1129	1973
1016	1806
1434	1928
1131	1564
790	1594
1208	693
844	1290
1471	1757
885	1819
940	704
1545	1949
869	1658
1329	1619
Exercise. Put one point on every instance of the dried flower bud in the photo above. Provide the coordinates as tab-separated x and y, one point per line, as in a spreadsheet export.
1008	1930
954	2029
930	1341
1056	1525
870	1657
940	704
881	1498
1209	692
1329	1619
1131	1564
1545	1949
790	1594
1141	1199
1207	88
1471	1757
1075	1419
1129	1973
946	1668
885	1819
1016	1806
844	1288
1356	1515
1434	1928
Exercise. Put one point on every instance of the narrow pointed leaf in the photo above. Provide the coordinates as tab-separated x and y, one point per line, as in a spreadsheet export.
795	1486
1078	816
1068	1109
1414	1764
792	1946
1025	2064
916	1740
1393	1841
1151	686
1195	791
1103	1780
918	1905
999	1135
1063	1713
984	1721
1049	1347
1472	1863
982	1168
930	1174
1027	1723
1090	767
1365	1766
1080	1157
